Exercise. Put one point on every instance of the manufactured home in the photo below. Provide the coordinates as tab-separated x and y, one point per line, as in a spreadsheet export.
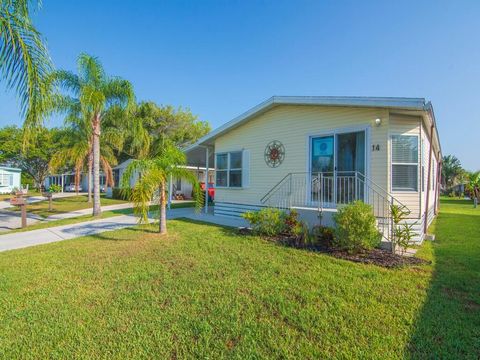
178	188
10	179
316	154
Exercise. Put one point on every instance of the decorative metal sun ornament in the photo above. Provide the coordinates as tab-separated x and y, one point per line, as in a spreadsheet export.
274	153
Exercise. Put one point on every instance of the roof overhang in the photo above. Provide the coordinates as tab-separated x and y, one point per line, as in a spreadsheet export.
398	103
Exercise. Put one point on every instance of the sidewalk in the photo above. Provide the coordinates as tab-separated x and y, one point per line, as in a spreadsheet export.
87	211
65	232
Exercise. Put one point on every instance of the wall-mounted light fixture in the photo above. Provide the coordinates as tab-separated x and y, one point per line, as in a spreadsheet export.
378	122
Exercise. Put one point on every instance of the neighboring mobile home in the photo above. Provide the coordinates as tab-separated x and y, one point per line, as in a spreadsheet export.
315	154
10	179
179	188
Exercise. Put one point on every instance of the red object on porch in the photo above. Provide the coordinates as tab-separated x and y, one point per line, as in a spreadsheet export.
211	190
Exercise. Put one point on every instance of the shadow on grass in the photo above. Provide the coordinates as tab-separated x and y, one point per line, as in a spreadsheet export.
456	201
448	325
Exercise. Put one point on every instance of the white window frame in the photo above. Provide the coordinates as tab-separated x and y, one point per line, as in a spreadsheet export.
228	169
6	179
417	164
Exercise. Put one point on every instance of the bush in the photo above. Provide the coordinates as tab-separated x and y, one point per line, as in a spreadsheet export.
268	221
356	228
121	193
323	235
54	188
296	230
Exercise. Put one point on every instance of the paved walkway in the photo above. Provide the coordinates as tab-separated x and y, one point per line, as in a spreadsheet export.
87	211
65	232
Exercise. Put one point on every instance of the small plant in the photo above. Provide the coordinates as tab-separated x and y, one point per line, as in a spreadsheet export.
274	223
297	230
356	228
324	235
54	188
268	221
402	232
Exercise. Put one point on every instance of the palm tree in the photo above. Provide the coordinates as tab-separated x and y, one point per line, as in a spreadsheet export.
80	153
474	185
93	94
451	170
153	177
24	60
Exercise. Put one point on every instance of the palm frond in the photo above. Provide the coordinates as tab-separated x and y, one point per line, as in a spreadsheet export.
24	62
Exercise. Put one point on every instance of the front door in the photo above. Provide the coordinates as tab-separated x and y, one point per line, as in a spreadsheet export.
336	163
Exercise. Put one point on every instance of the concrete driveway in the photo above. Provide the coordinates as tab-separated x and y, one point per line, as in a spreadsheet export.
10	220
58	233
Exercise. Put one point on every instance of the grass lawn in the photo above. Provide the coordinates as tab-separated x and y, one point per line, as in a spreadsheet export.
80	219
66	204
5	197
203	291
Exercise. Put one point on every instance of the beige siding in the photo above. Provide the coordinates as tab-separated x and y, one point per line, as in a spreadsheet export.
406	125
292	125
425	156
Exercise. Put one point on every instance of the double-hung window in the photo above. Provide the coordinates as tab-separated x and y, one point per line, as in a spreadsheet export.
229	169
6	179
404	162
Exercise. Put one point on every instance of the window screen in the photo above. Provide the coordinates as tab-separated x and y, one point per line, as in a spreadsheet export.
404	163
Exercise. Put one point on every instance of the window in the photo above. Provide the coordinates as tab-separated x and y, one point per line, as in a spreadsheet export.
116	177
178	184
6	179
229	169
404	163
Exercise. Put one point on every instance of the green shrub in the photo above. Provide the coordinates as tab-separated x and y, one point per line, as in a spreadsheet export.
323	235
356	228
297	230
268	221
121	193
54	188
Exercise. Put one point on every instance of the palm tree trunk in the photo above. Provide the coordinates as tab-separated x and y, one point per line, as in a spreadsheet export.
97	210
89	179
163	210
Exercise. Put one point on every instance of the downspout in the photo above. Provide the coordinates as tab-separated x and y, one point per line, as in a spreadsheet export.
206	182
425	224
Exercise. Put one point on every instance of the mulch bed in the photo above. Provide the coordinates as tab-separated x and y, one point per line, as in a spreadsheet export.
379	257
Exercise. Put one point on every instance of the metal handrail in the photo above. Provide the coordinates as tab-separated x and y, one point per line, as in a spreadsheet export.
333	188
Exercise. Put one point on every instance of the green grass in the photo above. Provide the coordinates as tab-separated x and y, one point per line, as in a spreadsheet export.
66	204
205	292
5	197
80	219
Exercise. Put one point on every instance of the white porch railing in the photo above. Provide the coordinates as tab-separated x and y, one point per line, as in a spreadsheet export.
331	190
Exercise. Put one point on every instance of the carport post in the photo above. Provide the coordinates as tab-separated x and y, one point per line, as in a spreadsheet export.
206	179
170	183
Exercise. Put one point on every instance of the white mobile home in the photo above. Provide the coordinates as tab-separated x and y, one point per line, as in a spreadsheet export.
10	179
179	188
318	153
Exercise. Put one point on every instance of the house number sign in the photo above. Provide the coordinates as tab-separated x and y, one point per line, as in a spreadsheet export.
376	147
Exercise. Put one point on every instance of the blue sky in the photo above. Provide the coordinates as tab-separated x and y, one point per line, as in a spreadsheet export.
219	58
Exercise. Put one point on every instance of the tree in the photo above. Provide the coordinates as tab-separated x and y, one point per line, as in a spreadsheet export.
34	161
474	185
79	151
94	93
151	185
24	61
451	170
153	126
